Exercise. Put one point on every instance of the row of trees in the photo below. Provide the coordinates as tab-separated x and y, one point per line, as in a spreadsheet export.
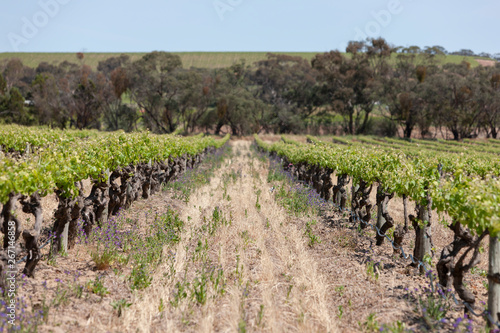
414	91
372	83
439	50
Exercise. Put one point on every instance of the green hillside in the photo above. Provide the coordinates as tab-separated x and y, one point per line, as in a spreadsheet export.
189	59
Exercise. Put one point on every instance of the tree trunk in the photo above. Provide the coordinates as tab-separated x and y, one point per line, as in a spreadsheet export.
31	239
423	232
133	187
8	215
66	220
408	129
115	201
365	122
122	196
218	127
360	203
461	268
33	206
494	279
96	205
384	219
446	263
339	191
401	231
158	177
147	171
380	207
317	179
351	123
327	184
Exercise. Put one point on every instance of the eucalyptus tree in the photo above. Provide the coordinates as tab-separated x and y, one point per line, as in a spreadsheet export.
236	102
401	93
288	85
117	114
488	99
351	83
154	89
108	65
451	96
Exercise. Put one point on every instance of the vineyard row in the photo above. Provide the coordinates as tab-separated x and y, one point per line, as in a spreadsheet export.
122	168
465	187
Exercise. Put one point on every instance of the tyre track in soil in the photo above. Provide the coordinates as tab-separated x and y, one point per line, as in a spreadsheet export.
272	283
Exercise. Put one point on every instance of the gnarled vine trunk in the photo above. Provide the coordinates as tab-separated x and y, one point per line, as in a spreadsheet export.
384	219
401	230
451	272
360	203
326	190
8	218
66	220
340	192
96	204
32	206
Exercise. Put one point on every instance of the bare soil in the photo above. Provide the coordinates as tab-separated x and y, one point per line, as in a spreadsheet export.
486	63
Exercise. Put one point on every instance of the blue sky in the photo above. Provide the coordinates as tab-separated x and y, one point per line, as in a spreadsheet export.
244	25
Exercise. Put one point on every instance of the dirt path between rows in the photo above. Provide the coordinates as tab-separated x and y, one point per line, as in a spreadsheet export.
271	281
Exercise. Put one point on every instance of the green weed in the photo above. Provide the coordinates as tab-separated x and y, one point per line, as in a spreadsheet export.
97	287
260	315
161	307
180	293
104	259
139	278
372	270
120	305
397	327
313	239
200	288
370	324
340	290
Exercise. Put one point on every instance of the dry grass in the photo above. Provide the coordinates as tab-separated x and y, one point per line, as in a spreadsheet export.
277	286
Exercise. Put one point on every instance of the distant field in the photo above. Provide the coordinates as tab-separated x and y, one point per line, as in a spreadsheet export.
189	59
